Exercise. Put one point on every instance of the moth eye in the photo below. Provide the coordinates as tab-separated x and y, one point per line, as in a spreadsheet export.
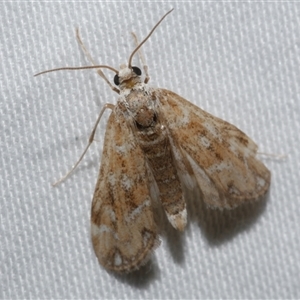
137	70
116	79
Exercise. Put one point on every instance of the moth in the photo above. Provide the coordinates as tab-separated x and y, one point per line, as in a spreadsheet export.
155	143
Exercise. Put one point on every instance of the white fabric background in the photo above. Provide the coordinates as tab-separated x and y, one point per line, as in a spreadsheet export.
237	60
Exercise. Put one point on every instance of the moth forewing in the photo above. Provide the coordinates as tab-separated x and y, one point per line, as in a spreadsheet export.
123	230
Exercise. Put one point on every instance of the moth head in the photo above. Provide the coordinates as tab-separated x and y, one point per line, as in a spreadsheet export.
127	76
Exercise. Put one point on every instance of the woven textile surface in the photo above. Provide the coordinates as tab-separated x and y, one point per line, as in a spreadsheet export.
237	60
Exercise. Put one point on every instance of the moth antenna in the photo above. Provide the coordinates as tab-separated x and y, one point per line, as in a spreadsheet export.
78	68
146	38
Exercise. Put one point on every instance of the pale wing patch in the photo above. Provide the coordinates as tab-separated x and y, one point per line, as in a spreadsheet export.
222	156
123	230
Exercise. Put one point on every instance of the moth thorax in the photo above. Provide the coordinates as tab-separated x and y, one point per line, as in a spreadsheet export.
144	116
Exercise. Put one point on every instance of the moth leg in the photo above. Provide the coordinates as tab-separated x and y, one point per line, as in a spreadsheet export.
88	55
142	59
91	139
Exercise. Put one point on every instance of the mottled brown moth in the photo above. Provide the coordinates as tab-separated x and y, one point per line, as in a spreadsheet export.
155	143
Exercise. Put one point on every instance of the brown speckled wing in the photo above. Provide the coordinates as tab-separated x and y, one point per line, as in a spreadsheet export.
122	227
222	157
